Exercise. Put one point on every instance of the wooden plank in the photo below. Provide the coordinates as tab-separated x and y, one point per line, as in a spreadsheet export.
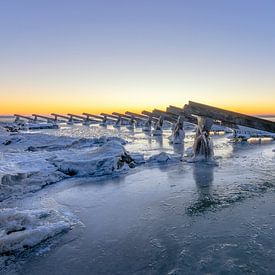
230	117
139	116
168	117
109	116
150	115
44	117
181	112
93	116
17	116
123	116
76	116
62	116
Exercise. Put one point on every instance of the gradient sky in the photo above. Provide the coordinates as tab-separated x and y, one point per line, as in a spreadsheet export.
114	55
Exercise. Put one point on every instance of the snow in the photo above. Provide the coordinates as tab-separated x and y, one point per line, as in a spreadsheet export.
105	160
31	161
23	229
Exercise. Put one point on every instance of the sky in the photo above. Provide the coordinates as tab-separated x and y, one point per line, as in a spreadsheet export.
117	55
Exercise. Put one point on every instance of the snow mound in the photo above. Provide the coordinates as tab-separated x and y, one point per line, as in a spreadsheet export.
23	229
105	160
164	158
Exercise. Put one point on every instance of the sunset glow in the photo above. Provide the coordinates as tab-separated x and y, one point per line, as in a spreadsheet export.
105	56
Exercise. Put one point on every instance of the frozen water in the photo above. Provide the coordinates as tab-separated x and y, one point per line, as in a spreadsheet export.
165	217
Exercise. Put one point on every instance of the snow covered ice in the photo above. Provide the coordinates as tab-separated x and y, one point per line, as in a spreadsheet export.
23	229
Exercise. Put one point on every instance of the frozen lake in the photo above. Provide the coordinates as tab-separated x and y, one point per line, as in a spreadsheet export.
178	218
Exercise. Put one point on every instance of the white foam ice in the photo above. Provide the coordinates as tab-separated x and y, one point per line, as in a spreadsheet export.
23	229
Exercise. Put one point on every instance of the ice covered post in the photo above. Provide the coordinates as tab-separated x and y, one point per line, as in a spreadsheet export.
178	134
147	125
203	147
158	127
118	122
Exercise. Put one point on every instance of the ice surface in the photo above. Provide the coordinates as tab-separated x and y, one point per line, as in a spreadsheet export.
165	218
23	229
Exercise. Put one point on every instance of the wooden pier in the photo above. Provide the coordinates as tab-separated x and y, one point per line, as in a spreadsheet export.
189	113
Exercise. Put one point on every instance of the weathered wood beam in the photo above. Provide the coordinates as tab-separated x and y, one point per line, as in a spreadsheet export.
150	115
230	117
180	112
123	116
112	117
140	116
44	117
166	116
22	116
93	116
72	116
61	116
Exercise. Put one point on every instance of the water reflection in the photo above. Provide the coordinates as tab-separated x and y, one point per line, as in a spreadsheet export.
159	140
178	149
203	176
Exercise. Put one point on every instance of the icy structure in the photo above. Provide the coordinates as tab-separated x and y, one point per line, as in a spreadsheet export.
178	134
147	125
158	127
23	229
203	146
118	123
103	122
